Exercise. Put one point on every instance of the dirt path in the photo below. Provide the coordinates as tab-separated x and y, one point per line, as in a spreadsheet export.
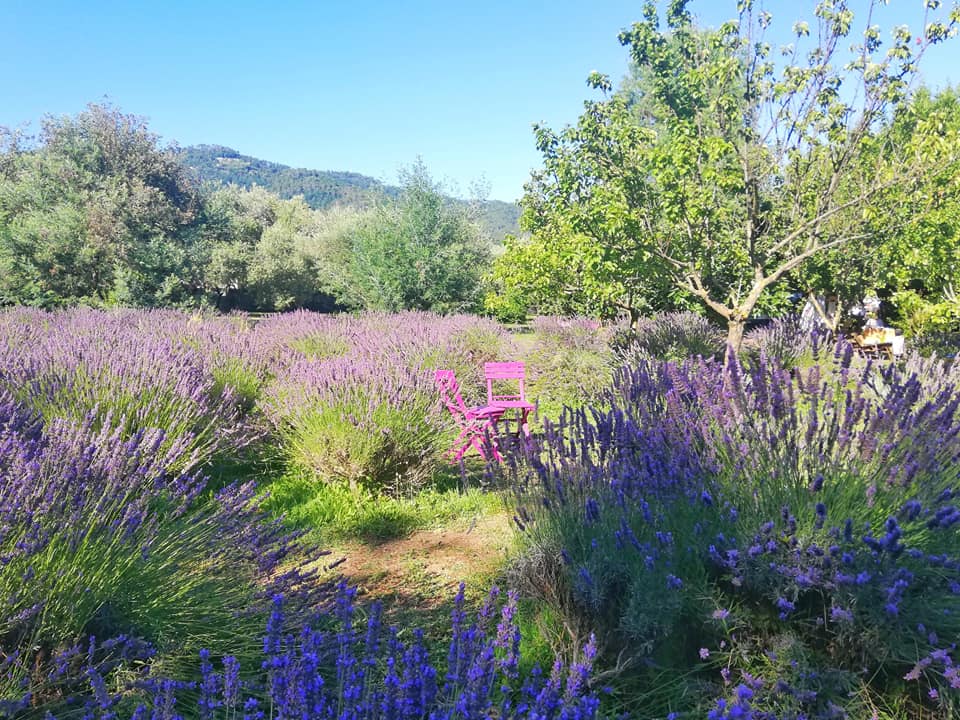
422	571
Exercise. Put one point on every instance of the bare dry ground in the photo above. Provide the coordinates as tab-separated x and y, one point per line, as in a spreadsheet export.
416	578
434	560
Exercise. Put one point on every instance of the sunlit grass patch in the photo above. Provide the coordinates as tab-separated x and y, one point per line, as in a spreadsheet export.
335	512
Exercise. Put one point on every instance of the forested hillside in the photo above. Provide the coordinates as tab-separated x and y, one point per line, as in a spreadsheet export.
321	188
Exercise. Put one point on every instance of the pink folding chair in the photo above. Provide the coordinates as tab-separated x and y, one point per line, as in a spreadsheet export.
498	372
478	425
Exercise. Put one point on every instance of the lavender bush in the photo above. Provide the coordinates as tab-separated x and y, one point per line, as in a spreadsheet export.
672	336
367	412
352	668
130	370
793	532
576	333
101	535
358	422
787	343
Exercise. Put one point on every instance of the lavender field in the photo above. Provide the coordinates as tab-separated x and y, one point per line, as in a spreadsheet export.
132	561
769	536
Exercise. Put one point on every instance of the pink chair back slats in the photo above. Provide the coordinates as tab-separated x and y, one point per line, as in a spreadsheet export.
499	371
449	391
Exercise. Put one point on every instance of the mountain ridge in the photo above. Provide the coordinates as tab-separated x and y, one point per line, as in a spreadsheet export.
320	188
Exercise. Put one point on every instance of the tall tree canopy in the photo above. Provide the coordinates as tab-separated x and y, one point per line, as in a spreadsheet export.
420	252
913	247
732	163
93	208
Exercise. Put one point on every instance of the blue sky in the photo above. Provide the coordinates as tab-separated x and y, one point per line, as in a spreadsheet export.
362	85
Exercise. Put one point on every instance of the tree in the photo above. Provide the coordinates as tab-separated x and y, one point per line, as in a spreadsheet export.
565	273
913	255
261	252
421	252
95	198
736	167
924	252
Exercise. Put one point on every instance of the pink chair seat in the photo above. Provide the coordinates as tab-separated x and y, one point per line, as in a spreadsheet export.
481	411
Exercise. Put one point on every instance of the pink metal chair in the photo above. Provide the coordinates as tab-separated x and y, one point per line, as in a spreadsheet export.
478	425
498	372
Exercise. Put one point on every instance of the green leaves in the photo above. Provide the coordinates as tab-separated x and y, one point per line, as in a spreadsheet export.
420	253
722	173
96	201
599	81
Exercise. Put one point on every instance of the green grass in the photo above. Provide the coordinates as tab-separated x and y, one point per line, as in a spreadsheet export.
335	513
559	376
413	595
540	632
244	382
320	346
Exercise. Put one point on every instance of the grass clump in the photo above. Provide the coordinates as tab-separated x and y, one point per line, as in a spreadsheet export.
234	378
569	365
334	512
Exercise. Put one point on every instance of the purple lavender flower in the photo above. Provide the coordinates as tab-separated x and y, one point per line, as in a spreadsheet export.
786	607
838	614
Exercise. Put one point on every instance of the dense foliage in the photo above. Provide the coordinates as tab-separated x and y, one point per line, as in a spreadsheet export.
724	167
96	212
419	253
101	214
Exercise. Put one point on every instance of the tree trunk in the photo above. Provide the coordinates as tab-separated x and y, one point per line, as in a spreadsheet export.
735	327
731	360
831	323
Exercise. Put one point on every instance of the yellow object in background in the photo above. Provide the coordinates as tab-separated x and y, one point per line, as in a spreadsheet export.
876	336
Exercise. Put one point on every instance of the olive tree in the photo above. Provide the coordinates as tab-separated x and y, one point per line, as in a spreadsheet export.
94	210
